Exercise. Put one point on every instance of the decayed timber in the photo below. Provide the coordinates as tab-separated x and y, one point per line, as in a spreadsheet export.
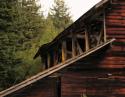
64	52
48	60
73	46
104	28
86	41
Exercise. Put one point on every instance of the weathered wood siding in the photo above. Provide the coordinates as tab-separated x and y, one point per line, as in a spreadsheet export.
115	27
88	77
43	88
94	83
102	75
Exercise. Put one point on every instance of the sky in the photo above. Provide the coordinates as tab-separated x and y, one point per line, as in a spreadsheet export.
76	7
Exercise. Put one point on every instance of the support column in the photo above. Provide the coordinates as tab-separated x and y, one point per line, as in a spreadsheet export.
73	46
100	38
56	84
78	47
64	55
48	60
86	41
44	59
105	38
55	57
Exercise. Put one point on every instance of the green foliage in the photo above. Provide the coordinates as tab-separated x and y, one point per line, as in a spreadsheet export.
22	31
8	61
20	27
60	15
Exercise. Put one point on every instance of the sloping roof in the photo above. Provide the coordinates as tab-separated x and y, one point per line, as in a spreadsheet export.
72	28
52	70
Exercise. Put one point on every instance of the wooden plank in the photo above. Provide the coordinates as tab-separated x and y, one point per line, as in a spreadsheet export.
55	57
117	36
79	48
73	45
58	86
48	60
64	54
105	38
111	66
44	62
100	36
86	41
112	32
79	35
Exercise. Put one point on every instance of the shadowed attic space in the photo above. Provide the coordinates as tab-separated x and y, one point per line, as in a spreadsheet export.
91	22
73	44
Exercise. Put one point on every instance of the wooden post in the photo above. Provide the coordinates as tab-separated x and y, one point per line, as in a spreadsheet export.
56	84
79	48
104	21
86	41
44	59
73	46
48	60
55	58
64	55
100	37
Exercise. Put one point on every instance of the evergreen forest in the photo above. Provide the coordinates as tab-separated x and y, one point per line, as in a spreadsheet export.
23	29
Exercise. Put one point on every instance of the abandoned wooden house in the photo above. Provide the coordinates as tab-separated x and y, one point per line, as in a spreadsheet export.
86	60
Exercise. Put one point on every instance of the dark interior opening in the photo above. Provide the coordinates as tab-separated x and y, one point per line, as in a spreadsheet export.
59	53
69	48
81	43
51	58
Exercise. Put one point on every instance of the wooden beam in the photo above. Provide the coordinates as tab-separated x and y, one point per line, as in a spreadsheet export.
58	86
73	46
79	48
100	36
64	54
56	77
104	21
48	60
44	62
56	82
82	35
55	57
86	41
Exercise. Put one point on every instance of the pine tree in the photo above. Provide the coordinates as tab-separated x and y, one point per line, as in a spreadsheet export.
28	23
60	15
8	61
50	31
21	27
7	44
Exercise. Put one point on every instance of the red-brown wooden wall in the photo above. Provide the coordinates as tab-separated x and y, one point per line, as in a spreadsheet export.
104	77
115	27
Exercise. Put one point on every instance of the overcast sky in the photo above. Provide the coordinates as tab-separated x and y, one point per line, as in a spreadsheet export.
77	7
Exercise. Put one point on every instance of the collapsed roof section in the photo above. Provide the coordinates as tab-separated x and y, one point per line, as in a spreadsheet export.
78	26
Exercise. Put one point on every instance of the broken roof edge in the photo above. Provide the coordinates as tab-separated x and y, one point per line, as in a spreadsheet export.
66	31
51	70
